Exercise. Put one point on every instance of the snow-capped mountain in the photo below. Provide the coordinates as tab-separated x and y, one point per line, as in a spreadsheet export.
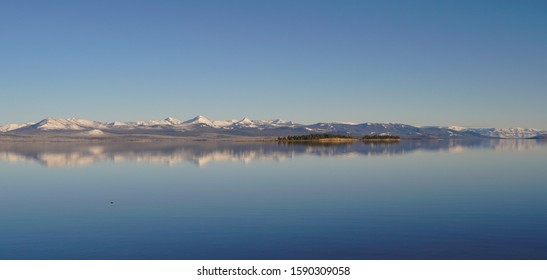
67	124
245	123
517	133
172	121
508	132
9	127
200	120
248	127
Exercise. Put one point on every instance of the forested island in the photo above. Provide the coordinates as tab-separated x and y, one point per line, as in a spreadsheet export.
323	138
381	138
337	138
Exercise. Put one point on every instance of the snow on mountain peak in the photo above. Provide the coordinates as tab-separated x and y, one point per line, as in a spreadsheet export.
57	124
348	123
200	120
67	124
457	128
223	123
516	133
10	127
173	121
90	127
245	122
117	123
513	132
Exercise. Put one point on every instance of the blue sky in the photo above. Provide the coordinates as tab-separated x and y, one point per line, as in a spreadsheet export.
471	63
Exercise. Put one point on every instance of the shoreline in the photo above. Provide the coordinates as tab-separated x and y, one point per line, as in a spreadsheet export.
381	140
324	140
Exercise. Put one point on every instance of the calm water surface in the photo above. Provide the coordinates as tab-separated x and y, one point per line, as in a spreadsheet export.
205	200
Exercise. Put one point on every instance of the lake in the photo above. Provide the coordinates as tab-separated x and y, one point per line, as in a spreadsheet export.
483	199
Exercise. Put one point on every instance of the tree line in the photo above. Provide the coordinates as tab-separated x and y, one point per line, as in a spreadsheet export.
380	137
309	137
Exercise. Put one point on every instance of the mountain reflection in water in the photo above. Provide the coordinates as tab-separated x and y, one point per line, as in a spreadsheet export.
201	153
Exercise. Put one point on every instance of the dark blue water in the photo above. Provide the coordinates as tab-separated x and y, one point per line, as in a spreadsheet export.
413	200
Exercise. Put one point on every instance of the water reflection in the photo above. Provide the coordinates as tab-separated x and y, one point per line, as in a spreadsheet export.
201	153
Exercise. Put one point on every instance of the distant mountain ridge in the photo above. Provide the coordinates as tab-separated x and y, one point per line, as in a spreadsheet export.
201	125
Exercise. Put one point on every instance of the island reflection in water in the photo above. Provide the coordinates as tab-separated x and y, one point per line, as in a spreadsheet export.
201	153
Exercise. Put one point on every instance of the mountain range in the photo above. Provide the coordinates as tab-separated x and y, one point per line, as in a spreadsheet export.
201	126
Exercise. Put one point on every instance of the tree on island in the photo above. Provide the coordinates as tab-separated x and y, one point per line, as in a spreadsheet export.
381	137
310	137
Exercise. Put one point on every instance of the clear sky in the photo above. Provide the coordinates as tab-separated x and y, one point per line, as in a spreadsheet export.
470	63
